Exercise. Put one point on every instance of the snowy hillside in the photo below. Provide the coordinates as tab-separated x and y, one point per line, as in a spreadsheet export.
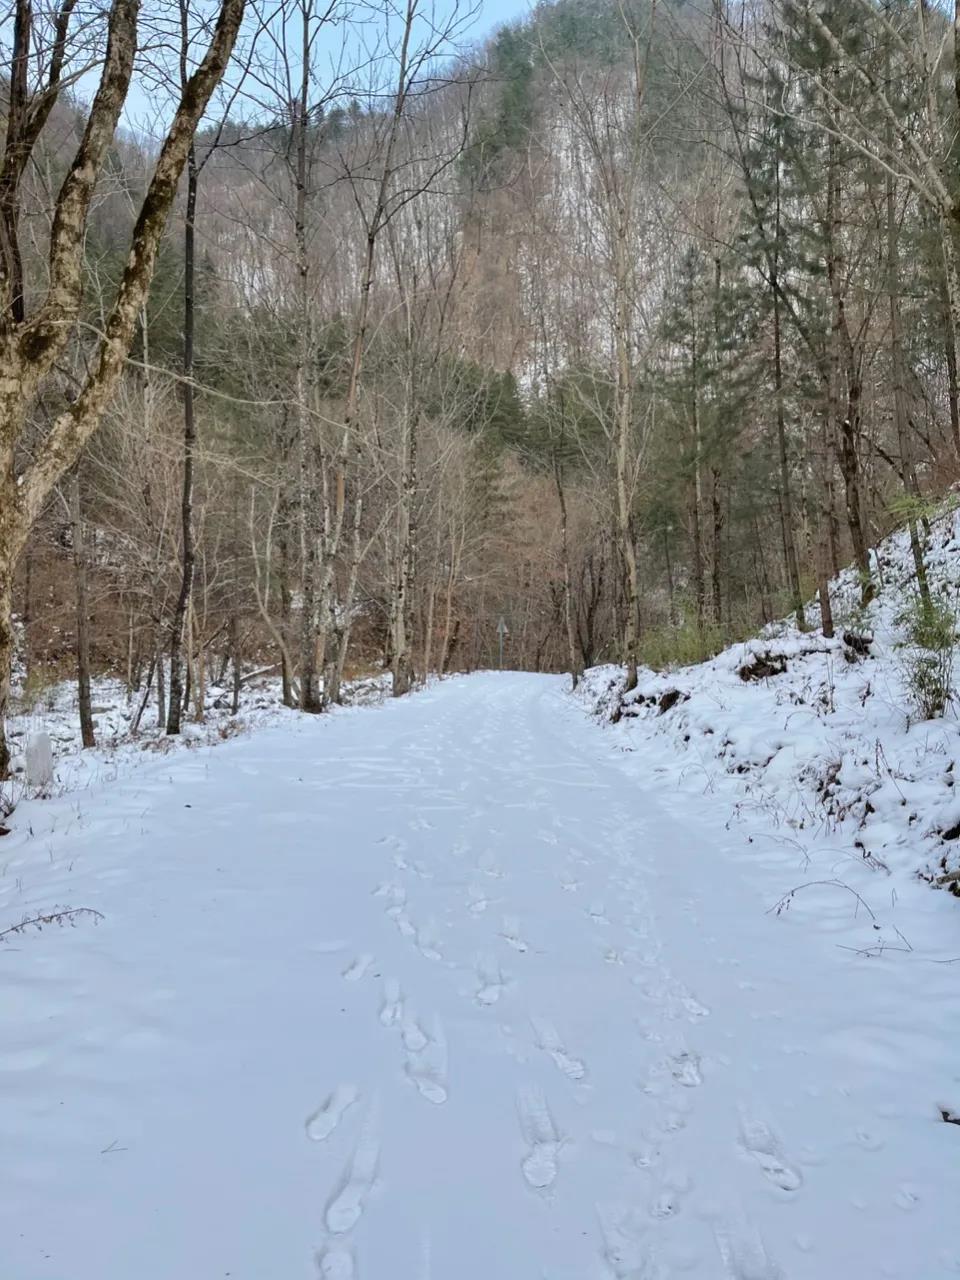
820	737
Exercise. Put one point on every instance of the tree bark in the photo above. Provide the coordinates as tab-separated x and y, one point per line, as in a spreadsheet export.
576	668
901	410
80	561
189	443
844	364
29	349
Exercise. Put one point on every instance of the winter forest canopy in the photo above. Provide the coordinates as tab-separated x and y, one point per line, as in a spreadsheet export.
630	326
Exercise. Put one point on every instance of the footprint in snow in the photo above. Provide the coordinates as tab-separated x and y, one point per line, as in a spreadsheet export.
548	1039
907	1198
358	968
675	1118
490	982
405	925
396	896
511	934
626	1248
391	1011
477	900
685	1069
487	864
348	1202
427	943
743	1253
759	1141
323	1121
645	1155
426	1067
868	1140
539	1165
395	842
336	1263
668	1199
413	1035
693	1008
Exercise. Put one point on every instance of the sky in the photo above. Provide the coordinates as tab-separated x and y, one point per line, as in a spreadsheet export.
149	102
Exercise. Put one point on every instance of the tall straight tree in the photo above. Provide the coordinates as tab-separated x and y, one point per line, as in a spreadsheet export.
610	118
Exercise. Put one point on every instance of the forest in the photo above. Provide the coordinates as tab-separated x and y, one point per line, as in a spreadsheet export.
626	327
479	639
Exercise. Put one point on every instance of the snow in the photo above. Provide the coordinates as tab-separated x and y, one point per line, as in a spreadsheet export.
830	748
54	714
466	985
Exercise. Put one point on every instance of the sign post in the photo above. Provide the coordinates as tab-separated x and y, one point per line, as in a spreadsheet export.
501	632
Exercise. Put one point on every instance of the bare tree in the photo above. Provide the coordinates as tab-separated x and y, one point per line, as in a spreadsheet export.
31	344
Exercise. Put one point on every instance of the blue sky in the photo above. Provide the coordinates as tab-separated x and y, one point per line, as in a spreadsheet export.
146	106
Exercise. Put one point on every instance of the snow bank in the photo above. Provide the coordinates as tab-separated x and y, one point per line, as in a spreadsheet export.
818	734
54	714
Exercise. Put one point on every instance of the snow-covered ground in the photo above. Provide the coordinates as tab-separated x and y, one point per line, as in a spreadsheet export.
466	986
54	713
830	749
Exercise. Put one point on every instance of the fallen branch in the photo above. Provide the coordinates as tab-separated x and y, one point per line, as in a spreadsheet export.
779	907
59	916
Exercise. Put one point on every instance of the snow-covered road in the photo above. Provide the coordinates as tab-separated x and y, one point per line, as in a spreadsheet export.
443	991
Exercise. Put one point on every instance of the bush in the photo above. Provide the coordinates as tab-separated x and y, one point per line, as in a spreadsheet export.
928	649
39	691
680	645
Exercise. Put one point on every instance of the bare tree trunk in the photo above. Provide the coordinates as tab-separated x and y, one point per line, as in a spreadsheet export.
950	352
188	556
7	567
26	613
200	666
429	622
283	542
87	736
696	494
406	549
843	361
716	563
901	410
145	696
161	675
823	591
786	487
623	469
308	508
450	633
576	669
339	657
237	661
